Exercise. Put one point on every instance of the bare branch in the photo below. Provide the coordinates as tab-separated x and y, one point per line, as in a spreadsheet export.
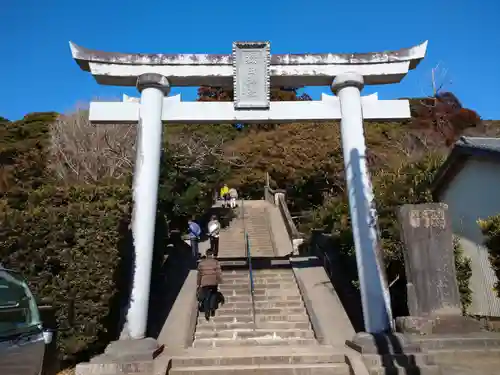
84	152
87	153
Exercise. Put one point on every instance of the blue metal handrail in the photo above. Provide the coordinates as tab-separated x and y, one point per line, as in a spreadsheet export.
249	259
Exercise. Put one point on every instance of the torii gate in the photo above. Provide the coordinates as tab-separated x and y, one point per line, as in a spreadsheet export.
252	71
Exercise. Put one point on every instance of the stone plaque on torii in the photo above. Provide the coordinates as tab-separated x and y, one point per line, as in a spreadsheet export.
251	71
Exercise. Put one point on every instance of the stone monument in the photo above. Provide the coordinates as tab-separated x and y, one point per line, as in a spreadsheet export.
432	288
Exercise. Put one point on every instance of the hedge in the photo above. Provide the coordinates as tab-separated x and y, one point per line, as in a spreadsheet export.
71	244
490	228
464	273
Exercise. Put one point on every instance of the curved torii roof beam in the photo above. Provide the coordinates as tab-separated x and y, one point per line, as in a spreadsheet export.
292	70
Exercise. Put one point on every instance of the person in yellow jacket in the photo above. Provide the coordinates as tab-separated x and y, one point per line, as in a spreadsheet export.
224	194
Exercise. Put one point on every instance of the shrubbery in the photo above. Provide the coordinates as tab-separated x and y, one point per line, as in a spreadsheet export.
491	230
464	273
65	208
68	241
71	245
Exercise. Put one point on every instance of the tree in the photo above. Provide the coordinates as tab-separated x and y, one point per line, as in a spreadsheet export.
442	112
206	93
23	156
81	152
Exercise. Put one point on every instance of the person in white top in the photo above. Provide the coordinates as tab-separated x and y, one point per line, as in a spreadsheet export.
213	234
233	195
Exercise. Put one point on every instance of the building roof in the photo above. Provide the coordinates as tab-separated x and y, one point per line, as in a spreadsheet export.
464	148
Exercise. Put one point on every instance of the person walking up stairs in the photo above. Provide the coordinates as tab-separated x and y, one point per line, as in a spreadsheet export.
224	195
213	233
209	277
194	232
233	196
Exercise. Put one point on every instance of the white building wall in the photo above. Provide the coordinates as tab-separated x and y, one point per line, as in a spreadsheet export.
474	194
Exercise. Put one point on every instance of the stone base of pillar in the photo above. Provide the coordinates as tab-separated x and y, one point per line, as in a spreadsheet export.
393	353
449	324
123	357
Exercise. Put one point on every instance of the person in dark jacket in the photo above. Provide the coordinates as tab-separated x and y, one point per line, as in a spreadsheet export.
194	232
209	278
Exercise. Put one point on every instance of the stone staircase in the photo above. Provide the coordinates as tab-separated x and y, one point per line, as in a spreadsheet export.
280	315
252	215
281	341
279	338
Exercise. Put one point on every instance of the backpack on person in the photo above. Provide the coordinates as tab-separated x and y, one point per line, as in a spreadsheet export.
195	229
214	228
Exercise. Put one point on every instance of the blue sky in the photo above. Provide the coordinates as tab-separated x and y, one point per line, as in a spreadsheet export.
40	75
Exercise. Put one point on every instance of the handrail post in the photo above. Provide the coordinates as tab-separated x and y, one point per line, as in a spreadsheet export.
249	259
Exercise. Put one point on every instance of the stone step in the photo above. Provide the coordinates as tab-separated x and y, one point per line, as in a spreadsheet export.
263	305
257	356
211	326
249	318
280	369
237	334
257	275
285	285
238	246
239	236
413	370
268	295
244	286
261	292
223	311
271	272
404	360
261	341
248	298
259	281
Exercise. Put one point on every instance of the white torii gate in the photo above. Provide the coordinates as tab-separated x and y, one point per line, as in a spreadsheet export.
251	70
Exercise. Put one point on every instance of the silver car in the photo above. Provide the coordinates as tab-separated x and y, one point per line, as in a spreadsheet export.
22	337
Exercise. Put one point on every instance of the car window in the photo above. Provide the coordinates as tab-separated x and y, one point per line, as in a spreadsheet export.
18	308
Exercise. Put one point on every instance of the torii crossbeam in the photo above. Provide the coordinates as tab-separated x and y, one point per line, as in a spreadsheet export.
176	111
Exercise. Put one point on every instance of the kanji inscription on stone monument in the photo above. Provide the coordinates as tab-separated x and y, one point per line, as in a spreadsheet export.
251	75
428	218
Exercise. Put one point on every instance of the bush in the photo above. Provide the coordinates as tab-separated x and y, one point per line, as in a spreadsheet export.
491	230
65	213
464	273
70	244
23	157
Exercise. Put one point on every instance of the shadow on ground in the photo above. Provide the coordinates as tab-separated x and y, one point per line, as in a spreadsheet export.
340	270
176	263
